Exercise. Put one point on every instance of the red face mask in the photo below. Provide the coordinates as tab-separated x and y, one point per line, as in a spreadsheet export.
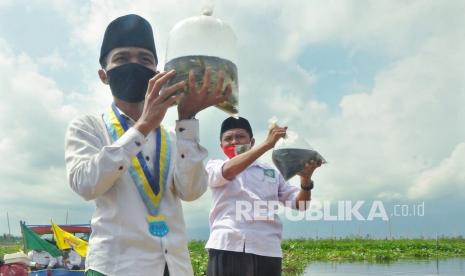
234	150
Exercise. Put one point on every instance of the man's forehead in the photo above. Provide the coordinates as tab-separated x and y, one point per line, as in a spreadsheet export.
127	50
235	131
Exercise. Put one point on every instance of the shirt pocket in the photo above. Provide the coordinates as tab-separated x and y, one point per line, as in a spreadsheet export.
269	185
261	185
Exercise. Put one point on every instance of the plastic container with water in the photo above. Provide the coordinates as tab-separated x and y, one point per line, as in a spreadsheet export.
292	153
201	42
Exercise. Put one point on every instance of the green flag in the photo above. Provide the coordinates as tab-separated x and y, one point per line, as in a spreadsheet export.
34	241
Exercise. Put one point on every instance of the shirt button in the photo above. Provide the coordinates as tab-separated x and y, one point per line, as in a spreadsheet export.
182	155
121	168
166	251
147	158
137	143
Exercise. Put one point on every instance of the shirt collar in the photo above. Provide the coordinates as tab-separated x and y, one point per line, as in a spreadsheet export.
126	117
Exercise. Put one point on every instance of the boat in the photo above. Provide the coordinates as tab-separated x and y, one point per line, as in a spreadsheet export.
17	264
80	230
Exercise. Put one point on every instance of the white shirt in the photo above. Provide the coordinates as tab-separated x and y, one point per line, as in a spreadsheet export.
120	243
259	182
43	258
74	259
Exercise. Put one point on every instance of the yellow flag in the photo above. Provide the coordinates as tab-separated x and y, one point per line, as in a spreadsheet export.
67	240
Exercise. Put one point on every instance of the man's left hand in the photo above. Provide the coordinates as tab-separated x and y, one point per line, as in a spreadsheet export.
309	168
195	100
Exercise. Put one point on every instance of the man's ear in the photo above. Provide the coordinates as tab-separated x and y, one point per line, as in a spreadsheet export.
252	142
103	76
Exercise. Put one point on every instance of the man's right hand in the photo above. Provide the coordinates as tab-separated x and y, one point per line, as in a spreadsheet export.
157	101
274	134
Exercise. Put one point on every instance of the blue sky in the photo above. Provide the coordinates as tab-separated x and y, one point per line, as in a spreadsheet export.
340	70
376	86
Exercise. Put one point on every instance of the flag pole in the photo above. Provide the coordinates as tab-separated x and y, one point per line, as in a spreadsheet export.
22	234
8	220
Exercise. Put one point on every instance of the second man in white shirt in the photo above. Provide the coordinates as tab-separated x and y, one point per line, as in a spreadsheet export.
249	243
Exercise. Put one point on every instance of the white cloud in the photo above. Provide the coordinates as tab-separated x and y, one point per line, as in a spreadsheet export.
33	120
394	135
5	3
397	27
383	138
54	61
445	179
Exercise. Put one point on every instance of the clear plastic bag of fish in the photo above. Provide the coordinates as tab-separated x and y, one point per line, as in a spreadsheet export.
198	64
202	42
292	153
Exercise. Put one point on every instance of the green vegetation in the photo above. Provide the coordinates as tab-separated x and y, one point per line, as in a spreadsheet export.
299	252
9	244
5	249
199	257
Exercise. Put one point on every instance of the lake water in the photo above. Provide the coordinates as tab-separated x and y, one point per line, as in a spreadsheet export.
451	266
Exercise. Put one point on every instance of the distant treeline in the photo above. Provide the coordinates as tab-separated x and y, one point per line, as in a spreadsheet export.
10	239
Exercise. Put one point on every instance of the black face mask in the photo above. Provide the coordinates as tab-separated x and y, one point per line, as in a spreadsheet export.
129	82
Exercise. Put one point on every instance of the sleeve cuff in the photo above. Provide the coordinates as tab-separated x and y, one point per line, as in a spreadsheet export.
132	141
187	129
224	179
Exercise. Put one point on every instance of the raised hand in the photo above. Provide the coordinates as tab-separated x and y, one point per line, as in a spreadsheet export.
309	168
274	134
157	101
195	100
